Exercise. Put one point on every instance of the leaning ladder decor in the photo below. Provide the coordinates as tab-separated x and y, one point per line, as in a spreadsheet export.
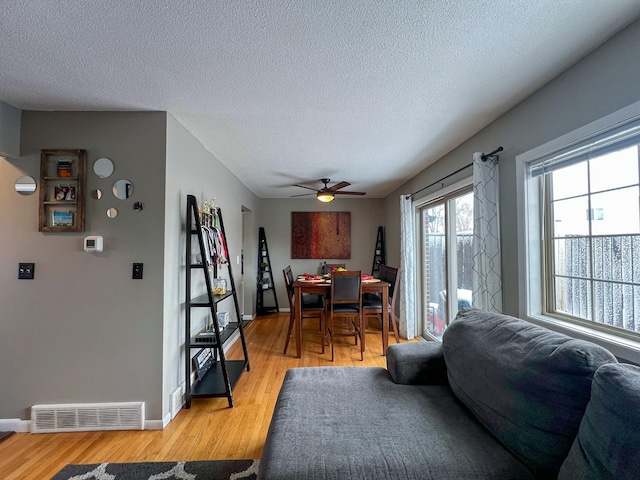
265	277
379	254
216	376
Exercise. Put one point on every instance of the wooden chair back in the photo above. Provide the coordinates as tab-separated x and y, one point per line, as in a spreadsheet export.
346	301
389	275
288	283
346	287
312	308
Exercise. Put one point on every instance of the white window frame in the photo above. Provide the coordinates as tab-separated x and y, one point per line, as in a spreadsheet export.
530	255
417	205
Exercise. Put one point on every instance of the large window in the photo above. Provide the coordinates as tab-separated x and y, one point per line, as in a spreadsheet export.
586	207
447	236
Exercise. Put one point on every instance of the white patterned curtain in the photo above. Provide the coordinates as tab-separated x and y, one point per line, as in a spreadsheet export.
407	269
487	265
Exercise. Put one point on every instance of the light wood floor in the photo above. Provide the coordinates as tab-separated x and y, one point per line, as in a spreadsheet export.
209	430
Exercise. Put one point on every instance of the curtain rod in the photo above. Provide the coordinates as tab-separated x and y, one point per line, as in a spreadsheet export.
485	157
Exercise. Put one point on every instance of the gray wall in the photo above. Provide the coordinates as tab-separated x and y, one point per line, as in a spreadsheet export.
9	130
605	81
366	217
83	330
191	169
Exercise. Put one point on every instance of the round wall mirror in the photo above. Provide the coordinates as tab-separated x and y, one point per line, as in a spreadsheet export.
97	194
123	189
112	212
25	185
103	167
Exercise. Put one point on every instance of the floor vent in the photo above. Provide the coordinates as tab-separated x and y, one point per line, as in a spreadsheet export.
79	417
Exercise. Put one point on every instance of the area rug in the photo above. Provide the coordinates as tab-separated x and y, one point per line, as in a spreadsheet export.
201	470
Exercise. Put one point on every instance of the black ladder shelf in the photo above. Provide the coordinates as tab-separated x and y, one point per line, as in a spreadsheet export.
379	254
265	277
222	375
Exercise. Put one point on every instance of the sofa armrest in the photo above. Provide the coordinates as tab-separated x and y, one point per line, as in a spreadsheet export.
417	363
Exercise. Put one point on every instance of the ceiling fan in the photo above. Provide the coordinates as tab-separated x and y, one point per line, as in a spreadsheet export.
326	193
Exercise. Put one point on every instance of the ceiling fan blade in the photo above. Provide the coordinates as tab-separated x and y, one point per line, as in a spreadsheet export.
350	193
338	186
302	195
308	188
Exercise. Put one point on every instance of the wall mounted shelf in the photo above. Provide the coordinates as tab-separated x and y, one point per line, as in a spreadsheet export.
62	175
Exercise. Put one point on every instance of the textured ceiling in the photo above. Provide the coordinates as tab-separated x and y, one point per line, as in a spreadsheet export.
283	92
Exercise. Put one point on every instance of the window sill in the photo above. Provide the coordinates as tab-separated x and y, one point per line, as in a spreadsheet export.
623	348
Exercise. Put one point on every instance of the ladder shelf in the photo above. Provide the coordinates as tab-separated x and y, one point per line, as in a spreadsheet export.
265	277
219	376
379	254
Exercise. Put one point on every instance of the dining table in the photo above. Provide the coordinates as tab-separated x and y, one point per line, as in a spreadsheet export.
323	287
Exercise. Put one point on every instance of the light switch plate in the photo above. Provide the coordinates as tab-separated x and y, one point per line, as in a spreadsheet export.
137	271
26	271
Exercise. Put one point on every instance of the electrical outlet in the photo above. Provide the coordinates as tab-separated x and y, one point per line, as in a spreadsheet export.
26	271
137	271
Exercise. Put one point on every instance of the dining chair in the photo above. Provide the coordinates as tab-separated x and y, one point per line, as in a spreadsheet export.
312	307
329	267
345	300
372	303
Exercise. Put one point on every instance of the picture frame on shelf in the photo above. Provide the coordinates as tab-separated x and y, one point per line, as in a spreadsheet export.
65	167
65	193
202	362
61	218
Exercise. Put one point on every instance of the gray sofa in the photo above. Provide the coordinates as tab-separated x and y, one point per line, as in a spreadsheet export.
500	398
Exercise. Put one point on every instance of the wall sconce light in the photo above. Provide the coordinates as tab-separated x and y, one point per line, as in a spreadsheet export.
325	197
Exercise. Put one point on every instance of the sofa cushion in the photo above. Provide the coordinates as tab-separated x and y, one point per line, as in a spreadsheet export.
354	422
608	442
528	385
417	363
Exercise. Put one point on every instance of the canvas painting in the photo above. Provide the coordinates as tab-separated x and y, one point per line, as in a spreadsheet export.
322	235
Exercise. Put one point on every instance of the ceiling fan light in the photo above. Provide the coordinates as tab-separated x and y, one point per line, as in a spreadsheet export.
325	197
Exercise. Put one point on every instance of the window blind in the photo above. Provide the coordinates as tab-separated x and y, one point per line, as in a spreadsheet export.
611	140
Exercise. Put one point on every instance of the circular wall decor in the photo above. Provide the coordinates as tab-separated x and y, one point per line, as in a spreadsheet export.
123	189
103	167
25	185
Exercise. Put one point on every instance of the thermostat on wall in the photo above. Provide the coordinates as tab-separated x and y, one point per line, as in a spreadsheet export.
93	243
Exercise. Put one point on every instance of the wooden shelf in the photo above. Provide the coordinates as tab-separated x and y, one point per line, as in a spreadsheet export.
224	336
213	384
58	229
203	300
52	185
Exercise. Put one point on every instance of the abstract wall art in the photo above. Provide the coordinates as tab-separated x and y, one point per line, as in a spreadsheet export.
321	235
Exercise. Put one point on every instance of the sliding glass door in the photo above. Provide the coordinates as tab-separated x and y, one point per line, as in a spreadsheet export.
447	236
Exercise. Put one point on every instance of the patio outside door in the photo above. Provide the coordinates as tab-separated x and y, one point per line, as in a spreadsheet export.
447	232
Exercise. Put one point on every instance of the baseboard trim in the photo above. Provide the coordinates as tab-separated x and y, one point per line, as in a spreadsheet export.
176	401
15	425
166	420
157	424
24	426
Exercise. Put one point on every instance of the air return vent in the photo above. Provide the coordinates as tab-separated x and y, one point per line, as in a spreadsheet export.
77	417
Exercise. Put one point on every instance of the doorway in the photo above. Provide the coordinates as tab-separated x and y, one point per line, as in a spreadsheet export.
247	260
